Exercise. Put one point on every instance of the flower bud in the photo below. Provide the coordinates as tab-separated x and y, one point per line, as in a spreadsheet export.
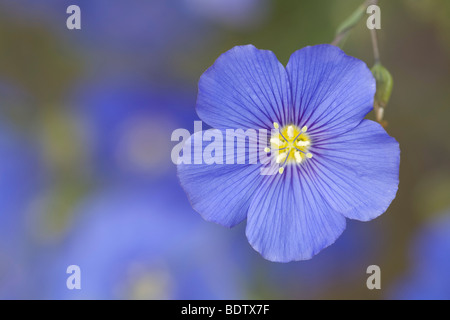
384	84
384	89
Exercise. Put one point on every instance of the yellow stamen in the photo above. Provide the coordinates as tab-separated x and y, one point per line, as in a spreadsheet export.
303	143
281	170
276	141
290	132
298	157
290	145
281	157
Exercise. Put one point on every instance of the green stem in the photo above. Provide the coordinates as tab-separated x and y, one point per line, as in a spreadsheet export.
376	50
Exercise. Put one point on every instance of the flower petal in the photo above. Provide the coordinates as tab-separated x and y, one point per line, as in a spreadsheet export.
289	220
221	193
245	88
330	90
359	171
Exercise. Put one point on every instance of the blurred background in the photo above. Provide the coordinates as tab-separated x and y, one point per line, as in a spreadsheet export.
86	177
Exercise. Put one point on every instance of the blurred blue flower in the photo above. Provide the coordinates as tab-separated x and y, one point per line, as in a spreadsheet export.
332	164
141	25
232	13
20	172
138	25
130	245
428	279
127	125
118	24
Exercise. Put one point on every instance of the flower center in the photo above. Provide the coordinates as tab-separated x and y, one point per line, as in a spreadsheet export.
289	145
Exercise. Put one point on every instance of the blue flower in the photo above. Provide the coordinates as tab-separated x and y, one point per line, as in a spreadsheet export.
127	123
132	244
428	279
334	164
20	181
232	13
118	25
149	27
